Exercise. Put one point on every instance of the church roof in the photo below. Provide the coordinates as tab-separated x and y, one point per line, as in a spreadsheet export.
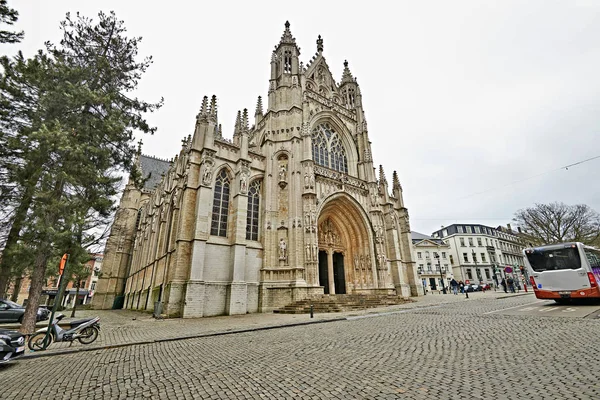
153	167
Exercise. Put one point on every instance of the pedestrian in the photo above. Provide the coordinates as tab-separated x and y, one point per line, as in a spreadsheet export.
461	285
503	284
511	284
454	286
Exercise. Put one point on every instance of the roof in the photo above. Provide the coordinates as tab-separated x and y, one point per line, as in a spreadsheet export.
154	168
418	237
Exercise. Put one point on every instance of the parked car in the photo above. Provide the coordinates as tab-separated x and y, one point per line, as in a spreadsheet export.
486	286
12	345
13	312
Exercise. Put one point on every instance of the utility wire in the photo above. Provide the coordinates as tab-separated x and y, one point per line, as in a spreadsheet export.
566	167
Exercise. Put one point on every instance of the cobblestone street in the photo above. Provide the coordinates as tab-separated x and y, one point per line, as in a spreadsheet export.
439	347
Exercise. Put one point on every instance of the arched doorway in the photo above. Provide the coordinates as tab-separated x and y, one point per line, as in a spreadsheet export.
346	259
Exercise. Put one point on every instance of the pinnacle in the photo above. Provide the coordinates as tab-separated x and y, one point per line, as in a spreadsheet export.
347	75
320	44
287	37
238	123
245	120
382	179
213	106
259	107
204	107
396	181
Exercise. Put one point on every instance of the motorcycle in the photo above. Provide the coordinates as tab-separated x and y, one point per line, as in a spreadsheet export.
84	330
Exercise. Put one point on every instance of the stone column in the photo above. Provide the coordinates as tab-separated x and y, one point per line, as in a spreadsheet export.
330	271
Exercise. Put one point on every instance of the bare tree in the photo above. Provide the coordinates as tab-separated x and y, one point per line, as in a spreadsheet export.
559	222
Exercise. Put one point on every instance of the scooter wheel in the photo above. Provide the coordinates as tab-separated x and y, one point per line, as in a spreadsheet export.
36	342
88	335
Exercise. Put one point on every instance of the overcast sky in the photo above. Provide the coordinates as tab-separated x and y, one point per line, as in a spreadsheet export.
461	97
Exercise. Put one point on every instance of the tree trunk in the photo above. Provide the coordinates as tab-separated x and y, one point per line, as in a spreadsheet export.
15	229
35	291
76	298
17	288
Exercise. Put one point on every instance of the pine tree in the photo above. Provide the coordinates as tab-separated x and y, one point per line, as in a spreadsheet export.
70	127
9	16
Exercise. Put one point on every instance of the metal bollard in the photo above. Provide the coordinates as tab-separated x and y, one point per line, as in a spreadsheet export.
311	311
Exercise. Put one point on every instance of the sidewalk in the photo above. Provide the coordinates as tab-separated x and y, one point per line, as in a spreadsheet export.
125	328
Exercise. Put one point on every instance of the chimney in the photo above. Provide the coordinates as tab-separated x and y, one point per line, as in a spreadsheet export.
508	226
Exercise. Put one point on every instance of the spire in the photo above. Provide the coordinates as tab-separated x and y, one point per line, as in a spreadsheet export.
204	107
212	112
320	44
287	37
346	75
382	179
259	107
238	124
396	183
244	126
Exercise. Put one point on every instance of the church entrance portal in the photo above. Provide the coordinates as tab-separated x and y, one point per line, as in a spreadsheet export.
339	278
323	271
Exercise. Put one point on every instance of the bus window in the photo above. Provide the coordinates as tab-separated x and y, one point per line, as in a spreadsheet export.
593	257
550	260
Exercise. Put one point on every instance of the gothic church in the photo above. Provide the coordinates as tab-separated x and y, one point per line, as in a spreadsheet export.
289	208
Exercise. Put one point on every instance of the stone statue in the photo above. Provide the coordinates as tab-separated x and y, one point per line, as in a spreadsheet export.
244	183
308	255
282	172
207	175
282	249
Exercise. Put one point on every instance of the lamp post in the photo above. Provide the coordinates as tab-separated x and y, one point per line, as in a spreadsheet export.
441	276
477	272
420	272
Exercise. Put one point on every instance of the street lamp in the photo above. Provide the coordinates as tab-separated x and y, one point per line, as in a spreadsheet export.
441	276
420	272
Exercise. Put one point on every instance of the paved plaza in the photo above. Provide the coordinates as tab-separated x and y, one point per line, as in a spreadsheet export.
438	347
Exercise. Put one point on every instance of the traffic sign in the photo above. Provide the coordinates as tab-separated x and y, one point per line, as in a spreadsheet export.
508	270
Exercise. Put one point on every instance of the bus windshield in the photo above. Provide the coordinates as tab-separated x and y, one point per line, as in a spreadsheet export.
557	259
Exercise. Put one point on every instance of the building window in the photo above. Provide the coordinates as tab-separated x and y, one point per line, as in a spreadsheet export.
451	259
420	255
483	257
436	255
220	210
479	242
487	274
470	242
462	242
474	257
429	267
477	229
466	257
469	274
487	243
443	254
327	148
426	254
253	209
469	229
445	233
459	229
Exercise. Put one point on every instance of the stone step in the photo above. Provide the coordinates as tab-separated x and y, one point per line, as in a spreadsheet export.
336	303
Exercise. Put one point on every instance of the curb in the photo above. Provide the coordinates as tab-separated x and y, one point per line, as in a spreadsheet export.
514	295
173	339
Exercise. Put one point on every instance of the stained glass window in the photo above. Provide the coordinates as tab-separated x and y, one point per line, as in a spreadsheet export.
220	210
253	209
328	150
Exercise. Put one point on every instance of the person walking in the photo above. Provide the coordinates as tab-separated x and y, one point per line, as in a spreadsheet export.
454	286
461	285
503	284
511	284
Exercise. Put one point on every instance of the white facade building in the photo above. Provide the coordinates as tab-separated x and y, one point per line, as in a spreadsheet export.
432	257
479	253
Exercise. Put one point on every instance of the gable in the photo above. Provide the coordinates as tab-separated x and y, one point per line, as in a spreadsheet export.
320	79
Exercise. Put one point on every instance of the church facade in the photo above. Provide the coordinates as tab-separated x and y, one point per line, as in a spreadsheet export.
289	208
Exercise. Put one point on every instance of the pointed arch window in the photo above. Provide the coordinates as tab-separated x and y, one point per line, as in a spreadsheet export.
327	148
253	210
220	210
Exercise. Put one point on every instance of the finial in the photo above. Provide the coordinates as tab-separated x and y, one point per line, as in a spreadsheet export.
287	37
345	63
320	44
346	75
139	148
238	124
287	24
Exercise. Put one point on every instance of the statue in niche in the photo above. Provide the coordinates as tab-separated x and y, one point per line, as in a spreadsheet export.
282	249
282	173
308	255
244	183
207	174
315	252
373	199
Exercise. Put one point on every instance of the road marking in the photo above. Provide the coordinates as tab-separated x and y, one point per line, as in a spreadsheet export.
549	309
528	309
569	309
510	308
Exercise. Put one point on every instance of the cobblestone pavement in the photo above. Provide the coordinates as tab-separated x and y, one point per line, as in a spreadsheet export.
441	348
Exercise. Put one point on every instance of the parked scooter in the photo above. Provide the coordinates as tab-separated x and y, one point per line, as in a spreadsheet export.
85	330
